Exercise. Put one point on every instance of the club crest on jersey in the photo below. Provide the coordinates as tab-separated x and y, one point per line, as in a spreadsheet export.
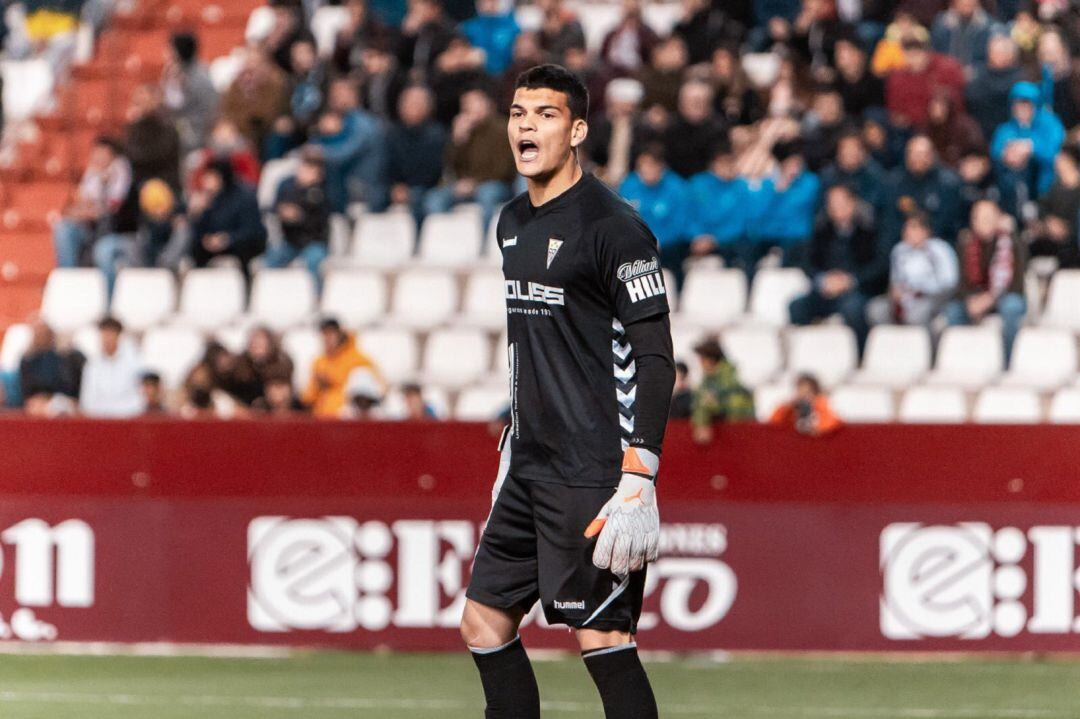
553	249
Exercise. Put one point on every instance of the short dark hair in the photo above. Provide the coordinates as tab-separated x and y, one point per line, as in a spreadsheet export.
330	323
150	378
110	323
559	79
682	367
807	378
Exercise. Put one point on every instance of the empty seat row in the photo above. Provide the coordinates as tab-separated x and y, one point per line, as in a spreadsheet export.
1044	358
930	404
215	297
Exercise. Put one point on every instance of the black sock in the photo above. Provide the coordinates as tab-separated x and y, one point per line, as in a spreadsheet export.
624	686
509	682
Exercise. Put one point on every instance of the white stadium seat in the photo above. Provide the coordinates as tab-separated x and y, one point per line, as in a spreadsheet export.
896	356
17	340
826	351
755	352
770	396
454	358
492	255
485	300
143	297
450	239
395	352
1063	301
712	298
1065	406
773	290
327	22
87	339
211	297
273	174
1007	405
482	403
303	345
933	405
356	298
853	403
424	299
233	337
968	357
172	352
282	298
1043	358
384	239
73	298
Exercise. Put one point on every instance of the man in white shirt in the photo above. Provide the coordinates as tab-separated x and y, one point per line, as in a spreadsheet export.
111	380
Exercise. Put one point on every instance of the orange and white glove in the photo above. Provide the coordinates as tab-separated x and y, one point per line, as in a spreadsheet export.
628	525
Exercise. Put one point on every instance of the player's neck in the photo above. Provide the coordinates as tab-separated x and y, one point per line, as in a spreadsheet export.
545	189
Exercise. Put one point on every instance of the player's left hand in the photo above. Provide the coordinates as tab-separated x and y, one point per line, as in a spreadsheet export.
628	525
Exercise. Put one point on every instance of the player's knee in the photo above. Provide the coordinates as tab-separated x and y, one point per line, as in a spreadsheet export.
480	632
592	639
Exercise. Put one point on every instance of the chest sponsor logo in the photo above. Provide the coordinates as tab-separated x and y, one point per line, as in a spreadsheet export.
534	292
553	249
509	241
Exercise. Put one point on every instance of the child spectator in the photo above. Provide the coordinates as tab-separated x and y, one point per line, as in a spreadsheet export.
720	397
304	212
923	276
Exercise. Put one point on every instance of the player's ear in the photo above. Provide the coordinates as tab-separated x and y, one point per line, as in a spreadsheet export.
578	132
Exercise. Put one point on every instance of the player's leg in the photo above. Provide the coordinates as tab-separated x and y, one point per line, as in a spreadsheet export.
615	667
502	589
601	607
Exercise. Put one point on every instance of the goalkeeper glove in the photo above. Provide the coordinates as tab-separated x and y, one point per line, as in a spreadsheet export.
628	525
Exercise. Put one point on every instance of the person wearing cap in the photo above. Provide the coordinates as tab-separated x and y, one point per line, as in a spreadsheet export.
364	390
720	397
1024	147
325	393
304	212
908	91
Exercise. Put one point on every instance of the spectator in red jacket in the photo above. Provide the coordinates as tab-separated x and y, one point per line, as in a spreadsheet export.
926	74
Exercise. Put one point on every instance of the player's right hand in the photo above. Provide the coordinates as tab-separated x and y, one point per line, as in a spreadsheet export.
627	527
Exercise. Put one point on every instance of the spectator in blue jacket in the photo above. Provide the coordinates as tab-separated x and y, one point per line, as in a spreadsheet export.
660	195
353	143
847	262
1024	148
782	206
718	209
494	31
963	32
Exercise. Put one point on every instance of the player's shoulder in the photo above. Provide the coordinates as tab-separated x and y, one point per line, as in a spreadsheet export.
606	211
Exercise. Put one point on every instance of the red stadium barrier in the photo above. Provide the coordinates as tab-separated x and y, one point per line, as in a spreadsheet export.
360	536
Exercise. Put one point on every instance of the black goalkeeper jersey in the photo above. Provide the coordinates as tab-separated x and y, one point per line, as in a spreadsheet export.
578	269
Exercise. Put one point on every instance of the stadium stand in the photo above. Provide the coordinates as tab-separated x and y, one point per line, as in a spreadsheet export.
426	301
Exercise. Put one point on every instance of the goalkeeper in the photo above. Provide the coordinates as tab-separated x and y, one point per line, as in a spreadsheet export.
574	519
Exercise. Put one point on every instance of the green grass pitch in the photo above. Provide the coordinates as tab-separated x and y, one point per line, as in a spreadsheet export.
425	686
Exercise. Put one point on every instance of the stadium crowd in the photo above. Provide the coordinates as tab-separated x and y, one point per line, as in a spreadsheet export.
911	157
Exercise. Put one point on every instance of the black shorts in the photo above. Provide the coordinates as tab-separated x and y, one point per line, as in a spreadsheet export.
534	547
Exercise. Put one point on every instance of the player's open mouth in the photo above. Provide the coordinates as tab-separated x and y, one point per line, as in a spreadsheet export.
528	150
